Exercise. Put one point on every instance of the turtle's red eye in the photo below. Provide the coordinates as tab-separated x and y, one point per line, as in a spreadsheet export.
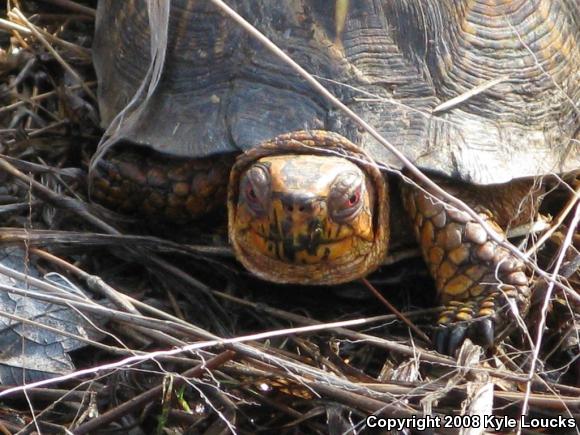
354	198
255	189
345	197
250	193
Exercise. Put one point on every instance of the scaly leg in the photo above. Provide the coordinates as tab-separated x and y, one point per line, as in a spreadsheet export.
161	188
475	276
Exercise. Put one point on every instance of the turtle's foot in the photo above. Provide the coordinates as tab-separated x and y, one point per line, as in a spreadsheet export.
480	319
485	307
481	283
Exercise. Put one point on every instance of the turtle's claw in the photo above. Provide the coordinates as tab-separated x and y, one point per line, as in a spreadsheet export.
482	332
440	338
456	337
447	338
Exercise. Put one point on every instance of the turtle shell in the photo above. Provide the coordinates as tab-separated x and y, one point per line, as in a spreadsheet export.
483	91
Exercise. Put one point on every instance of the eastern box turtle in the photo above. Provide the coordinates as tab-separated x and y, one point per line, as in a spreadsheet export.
307	202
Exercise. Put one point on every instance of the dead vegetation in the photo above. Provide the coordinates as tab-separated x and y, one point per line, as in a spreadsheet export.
185	341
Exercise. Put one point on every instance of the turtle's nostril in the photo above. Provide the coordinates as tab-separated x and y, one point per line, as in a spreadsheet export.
299	202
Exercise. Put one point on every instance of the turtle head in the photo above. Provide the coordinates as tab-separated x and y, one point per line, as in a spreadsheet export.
301	215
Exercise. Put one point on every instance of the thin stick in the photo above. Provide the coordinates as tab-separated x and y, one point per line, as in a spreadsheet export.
10	26
394	310
150	395
136	359
544	311
55	199
469	94
557	222
41	97
56	55
72	6
20	29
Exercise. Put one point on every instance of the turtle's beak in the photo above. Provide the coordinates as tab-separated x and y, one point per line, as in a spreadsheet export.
296	227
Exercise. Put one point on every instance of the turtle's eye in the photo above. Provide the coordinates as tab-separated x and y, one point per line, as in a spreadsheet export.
354	198
345	197
255	189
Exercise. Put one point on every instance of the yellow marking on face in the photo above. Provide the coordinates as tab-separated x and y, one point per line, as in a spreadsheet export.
296	225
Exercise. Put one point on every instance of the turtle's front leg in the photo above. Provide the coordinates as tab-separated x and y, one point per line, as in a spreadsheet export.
476	278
